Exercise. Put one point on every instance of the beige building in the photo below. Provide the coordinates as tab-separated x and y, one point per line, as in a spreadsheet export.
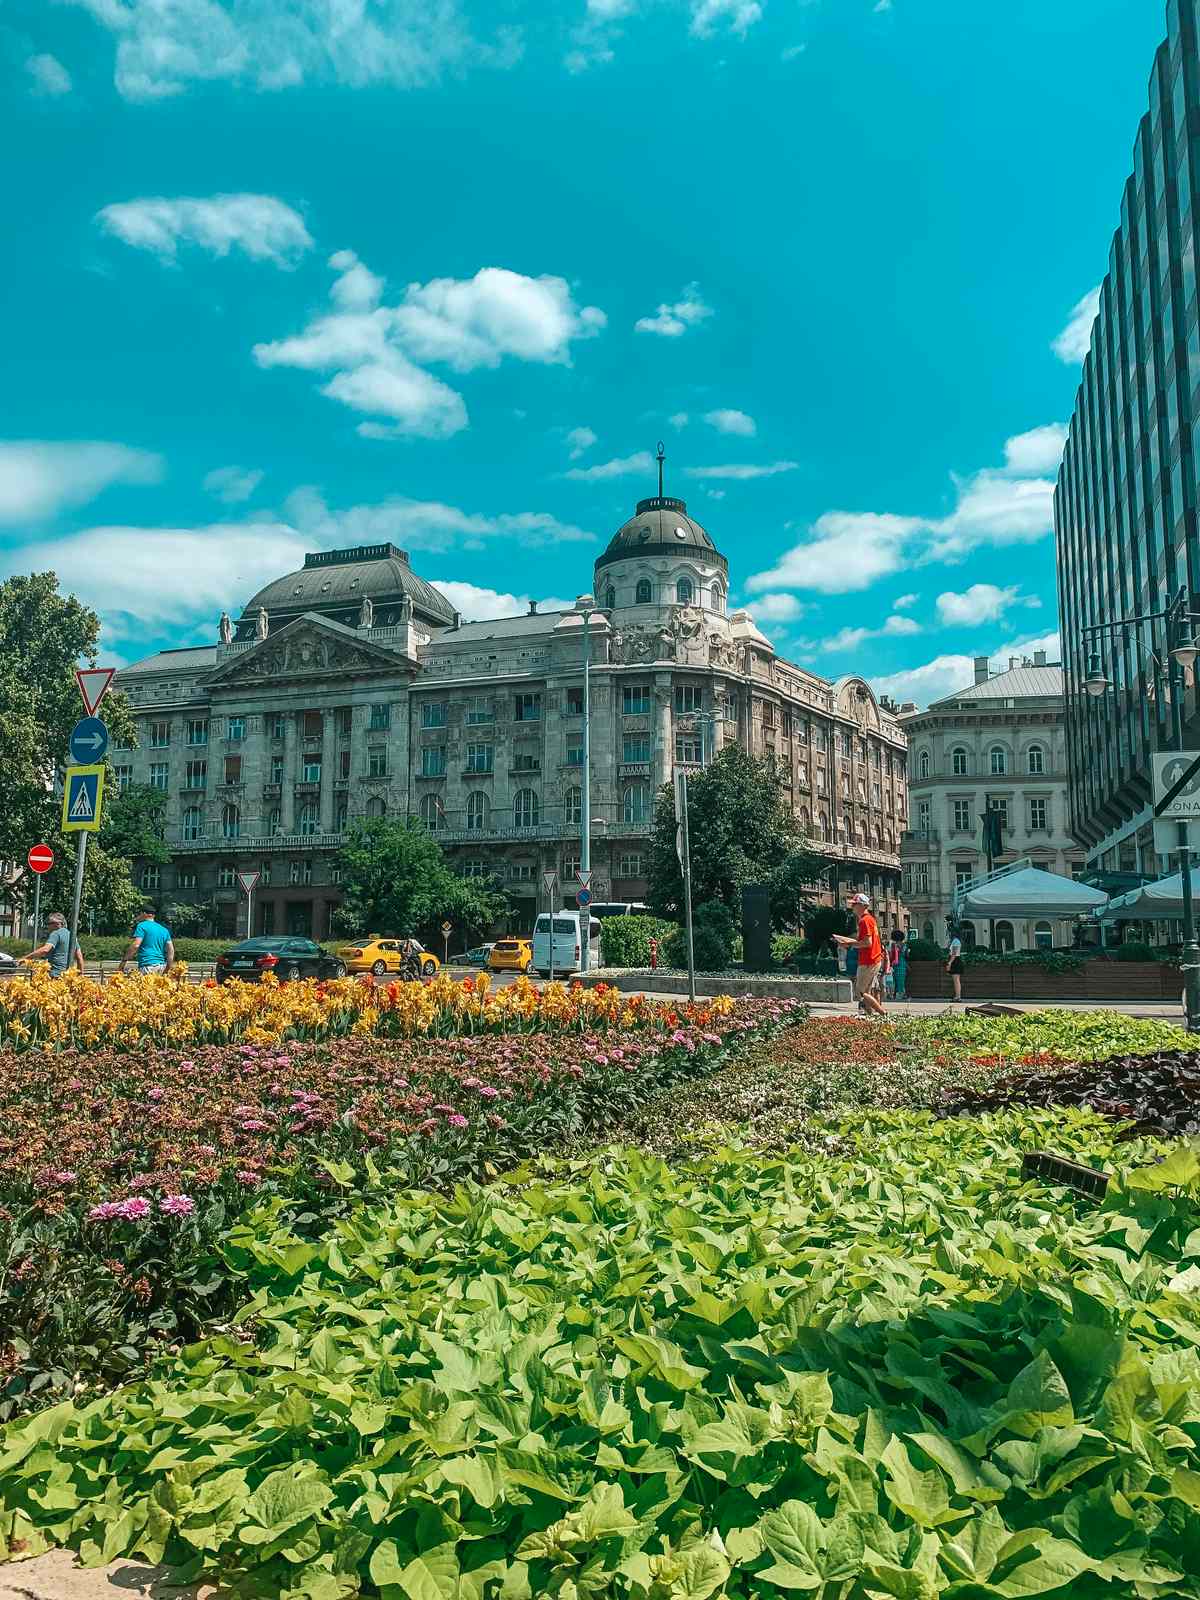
352	689
1001	742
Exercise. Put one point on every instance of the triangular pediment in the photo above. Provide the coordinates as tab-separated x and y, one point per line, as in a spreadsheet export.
311	646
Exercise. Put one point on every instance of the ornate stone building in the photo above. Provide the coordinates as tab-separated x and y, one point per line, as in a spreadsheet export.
351	688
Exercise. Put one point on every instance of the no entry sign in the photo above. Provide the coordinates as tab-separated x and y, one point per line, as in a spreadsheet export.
40	858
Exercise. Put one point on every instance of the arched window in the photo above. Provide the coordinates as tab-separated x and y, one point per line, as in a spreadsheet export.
310	818
684	592
1043	936
636	805
525	809
274	822
718	595
376	806
927	931
193	822
1036	759
643	592
847	830
341	812
477	810
998	764
958	761
433	813
575	806
805	820
967	934
923	763
823	824
1004	936
231	822
610	599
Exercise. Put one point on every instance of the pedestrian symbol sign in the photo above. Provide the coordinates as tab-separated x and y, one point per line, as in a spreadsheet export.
83	798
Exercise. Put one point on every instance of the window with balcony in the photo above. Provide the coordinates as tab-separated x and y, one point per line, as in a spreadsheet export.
635	747
635	803
684	592
574	702
525	808
159	735
635	699
276	769
997	761
688	749
274	821
629	866
235	728
233	769
643	593
574	807
962	816
380	719
309	819
1037	815
377	764
481	758
433	714
528	708
197	730
193	823
231	822
479	711
310	771
689	698
1036	760
477	811
195	775
958	761
433	812
433	761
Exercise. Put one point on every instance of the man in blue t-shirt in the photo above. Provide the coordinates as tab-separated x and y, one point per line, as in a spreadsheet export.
151	944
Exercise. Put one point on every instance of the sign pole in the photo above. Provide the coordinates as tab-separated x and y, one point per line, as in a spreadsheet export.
37	906
686	861
77	897
249	913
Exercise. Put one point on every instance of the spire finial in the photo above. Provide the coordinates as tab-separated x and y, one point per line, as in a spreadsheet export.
661	457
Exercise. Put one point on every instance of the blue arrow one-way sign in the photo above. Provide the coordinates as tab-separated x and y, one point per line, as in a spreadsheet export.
88	743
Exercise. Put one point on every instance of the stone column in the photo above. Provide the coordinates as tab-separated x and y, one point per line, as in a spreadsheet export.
328	767
662	753
287	789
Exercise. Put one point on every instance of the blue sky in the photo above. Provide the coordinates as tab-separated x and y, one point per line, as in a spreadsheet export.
292	274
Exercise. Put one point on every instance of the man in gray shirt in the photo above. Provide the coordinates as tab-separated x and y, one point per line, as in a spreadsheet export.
57	948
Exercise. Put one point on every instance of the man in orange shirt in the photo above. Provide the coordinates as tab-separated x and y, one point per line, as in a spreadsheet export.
870	955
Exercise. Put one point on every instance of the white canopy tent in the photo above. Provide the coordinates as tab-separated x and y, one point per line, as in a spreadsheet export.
1161	901
1027	891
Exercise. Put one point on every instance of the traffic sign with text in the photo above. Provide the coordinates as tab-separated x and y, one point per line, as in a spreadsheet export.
83	799
88	742
1173	771
248	881
40	858
93	685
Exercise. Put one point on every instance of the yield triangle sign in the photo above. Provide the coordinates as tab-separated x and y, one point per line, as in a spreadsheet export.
93	685
248	880
584	878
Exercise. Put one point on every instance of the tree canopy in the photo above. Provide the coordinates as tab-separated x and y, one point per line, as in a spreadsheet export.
395	880
741	831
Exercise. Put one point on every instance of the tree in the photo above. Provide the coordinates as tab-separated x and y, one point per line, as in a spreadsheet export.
396	881
741	831
135	825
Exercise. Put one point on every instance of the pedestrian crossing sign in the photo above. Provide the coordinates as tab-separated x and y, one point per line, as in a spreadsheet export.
83	797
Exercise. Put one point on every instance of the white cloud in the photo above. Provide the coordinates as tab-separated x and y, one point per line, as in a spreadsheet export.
742	472
579	440
422	524
993	508
670	321
610	10
934	680
851	638
776	608
792	51
262	227
165	46
49	75
39	477
737	15
1039	450
905	601
715	494
679	419
1072	344
621	467
483	605
982	602
883	5
373	350
729	421
848	551
232	484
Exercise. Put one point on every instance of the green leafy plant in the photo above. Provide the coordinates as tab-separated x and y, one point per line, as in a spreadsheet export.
712	939
625	941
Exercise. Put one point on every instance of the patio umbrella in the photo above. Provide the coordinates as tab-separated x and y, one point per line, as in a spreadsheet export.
1031	892
1161	901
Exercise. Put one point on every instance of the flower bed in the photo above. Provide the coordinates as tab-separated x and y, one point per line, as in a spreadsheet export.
121	1171
894	1368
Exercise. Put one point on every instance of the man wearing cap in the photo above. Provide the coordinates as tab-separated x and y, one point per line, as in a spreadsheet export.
57	948
870	955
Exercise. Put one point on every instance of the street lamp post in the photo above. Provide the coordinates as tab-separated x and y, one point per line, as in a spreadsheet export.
1181	651
587	609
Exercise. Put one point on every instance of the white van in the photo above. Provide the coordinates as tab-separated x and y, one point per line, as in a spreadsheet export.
619	908
566	939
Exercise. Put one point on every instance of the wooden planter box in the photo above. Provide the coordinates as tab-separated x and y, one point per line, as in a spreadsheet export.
1095	980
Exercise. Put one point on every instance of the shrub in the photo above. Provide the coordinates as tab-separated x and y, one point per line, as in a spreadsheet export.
924	950
712	939
785	947
625	941
1135	950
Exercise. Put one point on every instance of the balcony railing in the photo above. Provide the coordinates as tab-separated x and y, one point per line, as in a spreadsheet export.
919	836
247	843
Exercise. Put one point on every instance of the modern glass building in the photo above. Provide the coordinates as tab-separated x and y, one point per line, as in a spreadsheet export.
1125	505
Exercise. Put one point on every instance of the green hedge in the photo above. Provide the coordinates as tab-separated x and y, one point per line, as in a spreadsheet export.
111	947
625	941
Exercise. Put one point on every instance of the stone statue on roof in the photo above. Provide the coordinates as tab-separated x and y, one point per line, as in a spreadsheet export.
225	629
366	613
262	623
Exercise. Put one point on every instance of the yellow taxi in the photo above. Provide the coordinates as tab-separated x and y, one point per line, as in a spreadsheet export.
384	956
511	955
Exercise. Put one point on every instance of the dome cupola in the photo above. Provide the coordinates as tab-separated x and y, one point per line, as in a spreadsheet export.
662	557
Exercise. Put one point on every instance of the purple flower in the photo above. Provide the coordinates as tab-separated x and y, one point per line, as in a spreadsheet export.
249	1179
156	1094
177	1205
488	1091
457	1121
254	1125
105	1212
133	1210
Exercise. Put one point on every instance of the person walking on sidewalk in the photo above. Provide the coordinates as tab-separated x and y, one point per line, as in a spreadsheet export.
869	948
57	949
151	945
954	965
900	964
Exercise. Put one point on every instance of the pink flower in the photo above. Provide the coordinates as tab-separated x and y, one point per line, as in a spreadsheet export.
105	1212
177	1205
487	1091
249	1179
254	1125
65	1178
156	1094
133	1210
457	1121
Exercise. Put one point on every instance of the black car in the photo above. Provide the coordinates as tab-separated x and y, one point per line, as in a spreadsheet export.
287	957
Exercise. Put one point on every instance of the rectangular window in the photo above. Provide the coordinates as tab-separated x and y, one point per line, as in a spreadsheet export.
276	769
1002	807
847	744
197	730
432	715
574	755
235	728
226	876
481	758
570	872
521	871
689	697
629	866
279	725
433	761
822	781
160	735
687	749
124	777
575	702
475	869
527	761
1037	815
311	770
233	769
151	877
195	775
344	764
345	722
875	794
768	714
528	707
377	761
635	747
921	878
635	699
962	816
314	725
264	873
802	732
188	880
923	815
158	774
962	877
480	711
381	718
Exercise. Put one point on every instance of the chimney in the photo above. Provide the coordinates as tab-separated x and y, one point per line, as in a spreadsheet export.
533	608
1039	658
908	705
457	623
1012	663
982	671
